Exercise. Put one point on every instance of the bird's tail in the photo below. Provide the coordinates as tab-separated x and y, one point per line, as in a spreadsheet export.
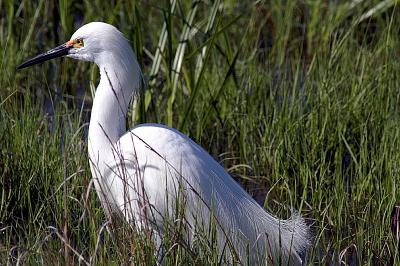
294	238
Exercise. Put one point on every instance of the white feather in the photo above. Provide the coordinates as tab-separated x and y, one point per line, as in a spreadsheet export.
143	171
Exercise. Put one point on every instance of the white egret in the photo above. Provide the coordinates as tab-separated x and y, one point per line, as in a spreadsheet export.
140	173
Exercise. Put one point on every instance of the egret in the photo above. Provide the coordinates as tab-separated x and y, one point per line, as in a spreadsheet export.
139	174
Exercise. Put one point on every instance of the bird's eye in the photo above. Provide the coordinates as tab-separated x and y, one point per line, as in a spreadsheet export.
78	43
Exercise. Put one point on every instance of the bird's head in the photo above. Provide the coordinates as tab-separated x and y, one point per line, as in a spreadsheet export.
92	42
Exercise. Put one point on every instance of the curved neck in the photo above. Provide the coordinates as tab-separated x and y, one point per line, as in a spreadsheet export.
119	79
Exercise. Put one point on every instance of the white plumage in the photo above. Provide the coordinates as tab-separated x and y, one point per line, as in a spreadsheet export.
141	173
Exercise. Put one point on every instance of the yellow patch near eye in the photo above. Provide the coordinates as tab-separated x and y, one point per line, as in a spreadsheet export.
78	43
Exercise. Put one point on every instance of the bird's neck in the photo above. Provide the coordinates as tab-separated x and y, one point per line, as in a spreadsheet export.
119	79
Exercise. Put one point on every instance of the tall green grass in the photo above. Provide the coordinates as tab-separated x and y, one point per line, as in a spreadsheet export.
298	100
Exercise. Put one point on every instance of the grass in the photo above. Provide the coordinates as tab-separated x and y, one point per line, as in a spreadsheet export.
298	100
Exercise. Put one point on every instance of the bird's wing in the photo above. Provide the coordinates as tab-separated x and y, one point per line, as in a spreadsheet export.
153	167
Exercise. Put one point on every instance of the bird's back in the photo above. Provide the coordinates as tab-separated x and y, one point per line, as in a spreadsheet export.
153	167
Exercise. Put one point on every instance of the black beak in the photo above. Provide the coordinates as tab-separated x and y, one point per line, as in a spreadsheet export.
59	51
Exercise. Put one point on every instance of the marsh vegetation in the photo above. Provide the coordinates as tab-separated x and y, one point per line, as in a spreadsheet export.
298	100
